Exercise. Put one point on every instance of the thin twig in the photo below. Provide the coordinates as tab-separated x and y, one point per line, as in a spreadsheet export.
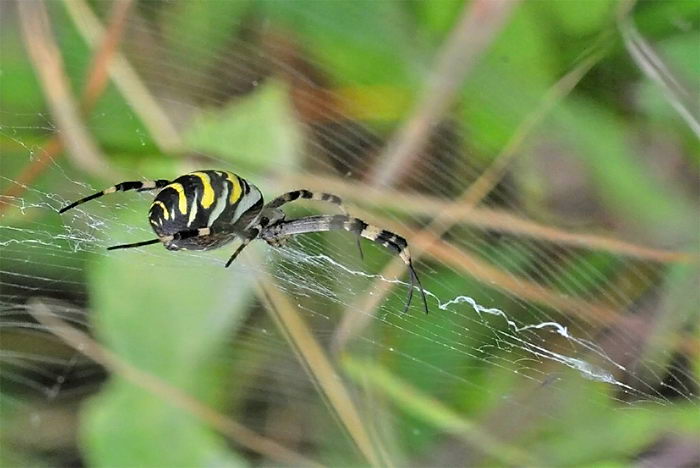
104	54
681	98
478	25
318	365
434	412
46	58
95	85
173	395
429	239
419	205
140	99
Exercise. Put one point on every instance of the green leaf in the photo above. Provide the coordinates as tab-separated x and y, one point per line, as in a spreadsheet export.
667	18
582	17
126	426
510	81
623	434
524	50
20	94
360	42
197	30
629	187
258	132
437	17
169	314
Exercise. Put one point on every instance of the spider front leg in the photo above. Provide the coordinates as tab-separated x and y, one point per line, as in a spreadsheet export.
180	235
120	187
250	236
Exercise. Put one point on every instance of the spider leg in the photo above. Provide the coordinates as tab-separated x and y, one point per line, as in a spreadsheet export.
135	244
316	196
252	234
121	187
306	195
177	236
389	240
415	280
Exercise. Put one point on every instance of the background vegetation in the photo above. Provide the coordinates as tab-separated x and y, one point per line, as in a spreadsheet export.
540	156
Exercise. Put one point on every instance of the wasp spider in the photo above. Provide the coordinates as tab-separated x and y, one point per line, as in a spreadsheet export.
204	210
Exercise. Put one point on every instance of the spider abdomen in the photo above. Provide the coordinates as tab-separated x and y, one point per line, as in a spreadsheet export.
215	199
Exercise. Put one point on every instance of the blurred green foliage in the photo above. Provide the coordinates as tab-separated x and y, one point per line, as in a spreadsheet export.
176	321
174	333
261	124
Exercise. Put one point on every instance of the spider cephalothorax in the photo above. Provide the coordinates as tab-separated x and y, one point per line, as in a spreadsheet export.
204	210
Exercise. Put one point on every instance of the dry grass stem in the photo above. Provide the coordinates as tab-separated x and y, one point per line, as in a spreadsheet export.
682	98
135	92
173	395
464	209
521	288
46	58
104	53
480	22
448	254
318	365
418	205
491	276
94	87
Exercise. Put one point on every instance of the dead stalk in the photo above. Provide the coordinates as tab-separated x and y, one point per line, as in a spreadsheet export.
429	238
125	78
318	365
173	395
94	87
46	58
480	22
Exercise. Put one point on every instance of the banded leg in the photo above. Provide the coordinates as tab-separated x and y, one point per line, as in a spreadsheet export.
306	195
187	234
316	196
252	234
137	185
389	240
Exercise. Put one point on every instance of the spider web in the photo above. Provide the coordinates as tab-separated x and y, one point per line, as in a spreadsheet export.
542	304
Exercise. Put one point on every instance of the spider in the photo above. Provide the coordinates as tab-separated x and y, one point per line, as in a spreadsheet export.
204	210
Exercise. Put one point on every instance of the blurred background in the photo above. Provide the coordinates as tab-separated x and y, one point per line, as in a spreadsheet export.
541	158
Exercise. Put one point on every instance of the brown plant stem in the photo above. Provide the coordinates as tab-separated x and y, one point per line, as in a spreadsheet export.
95	85
48	64
178	398
478	25
318	365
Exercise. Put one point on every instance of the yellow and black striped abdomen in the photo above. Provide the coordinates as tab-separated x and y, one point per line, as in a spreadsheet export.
215	199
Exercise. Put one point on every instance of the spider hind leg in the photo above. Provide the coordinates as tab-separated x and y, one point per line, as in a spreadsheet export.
315	196
389	240
415	281
399	246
